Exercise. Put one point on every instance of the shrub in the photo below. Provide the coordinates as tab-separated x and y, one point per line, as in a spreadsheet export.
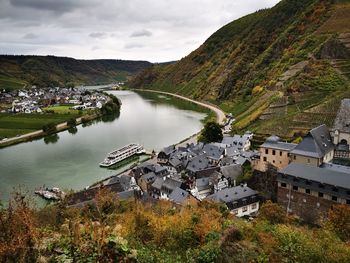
338	220
272	212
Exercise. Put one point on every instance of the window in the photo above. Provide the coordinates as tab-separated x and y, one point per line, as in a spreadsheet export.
280	153
244	209
265	159
295	188
320	194
283	185
235	212
273	152
334	198
295	157
253	206
307	191
266	151
308	160
273	161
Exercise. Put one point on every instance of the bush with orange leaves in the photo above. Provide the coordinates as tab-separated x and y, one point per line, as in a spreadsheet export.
338	220
273	213
19	235
165	226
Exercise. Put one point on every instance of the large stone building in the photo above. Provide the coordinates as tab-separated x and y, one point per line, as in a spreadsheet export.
309	191
315	149
274	153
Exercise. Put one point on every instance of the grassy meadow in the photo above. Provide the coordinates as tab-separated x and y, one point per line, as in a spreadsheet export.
13	125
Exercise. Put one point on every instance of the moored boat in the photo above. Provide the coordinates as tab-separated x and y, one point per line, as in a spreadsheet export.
122	154
50	194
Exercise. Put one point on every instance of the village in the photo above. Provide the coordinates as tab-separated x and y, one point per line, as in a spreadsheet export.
38	100
307	178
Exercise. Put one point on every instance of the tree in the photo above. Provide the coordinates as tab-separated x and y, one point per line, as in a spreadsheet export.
49	128
338	220
211	133
272	212
71	122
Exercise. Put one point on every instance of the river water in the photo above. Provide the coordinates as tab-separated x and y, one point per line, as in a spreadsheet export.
70	160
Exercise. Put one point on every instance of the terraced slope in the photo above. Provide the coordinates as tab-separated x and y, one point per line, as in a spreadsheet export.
281	70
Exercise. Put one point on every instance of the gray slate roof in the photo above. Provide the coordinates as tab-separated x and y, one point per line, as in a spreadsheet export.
149	177
316	144
171	184
274	142
198	163
317	174
231	171
232	151
158	183
238	140
174	161
342	121
178	195
168	150
232	194
213	151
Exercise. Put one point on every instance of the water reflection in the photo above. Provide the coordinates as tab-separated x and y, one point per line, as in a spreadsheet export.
53	138
73	130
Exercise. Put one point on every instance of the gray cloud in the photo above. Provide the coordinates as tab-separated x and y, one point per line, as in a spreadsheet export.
97	35
104	29
57	6
141	33
30	36
134	45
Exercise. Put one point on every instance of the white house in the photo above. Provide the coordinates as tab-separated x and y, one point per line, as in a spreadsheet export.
240	200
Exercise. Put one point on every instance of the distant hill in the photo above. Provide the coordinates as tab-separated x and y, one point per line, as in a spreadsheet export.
17	71
281	70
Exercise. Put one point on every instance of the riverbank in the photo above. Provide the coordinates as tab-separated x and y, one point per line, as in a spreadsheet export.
40	133
220	114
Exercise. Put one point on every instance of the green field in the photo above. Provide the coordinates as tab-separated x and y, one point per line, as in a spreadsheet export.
12	125
64	109
11	83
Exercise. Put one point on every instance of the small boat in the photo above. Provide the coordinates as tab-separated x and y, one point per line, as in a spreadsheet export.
50	194
122	154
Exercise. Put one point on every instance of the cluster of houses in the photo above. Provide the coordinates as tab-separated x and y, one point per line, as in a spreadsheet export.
197	172
309	179
35	99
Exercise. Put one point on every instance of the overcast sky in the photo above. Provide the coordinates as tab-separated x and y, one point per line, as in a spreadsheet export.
153	30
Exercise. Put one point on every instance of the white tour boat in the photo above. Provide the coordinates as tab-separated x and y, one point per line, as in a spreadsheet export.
122	154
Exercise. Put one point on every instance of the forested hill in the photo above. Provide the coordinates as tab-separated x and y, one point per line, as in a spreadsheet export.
280	70
17	71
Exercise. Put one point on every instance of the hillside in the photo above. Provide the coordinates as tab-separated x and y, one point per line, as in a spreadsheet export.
281	70
17	71
128	231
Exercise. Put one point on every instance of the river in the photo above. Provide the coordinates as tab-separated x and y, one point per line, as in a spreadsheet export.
70	159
